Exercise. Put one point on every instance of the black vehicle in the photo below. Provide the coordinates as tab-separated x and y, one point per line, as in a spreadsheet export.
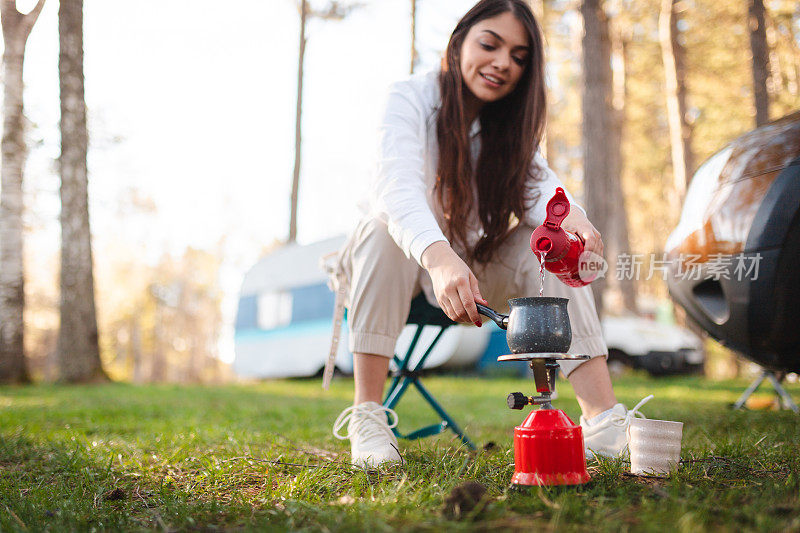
736	250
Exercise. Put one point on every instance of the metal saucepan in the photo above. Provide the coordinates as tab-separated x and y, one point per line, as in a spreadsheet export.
534	325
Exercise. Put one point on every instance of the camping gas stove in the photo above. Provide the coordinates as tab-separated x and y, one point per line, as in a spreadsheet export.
548	446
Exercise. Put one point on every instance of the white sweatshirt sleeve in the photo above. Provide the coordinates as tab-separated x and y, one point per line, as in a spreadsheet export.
536	211
399	192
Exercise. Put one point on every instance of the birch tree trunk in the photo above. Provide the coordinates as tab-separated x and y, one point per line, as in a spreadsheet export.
680	132
16	29
598	124
298	115
758	45
78	350
414	54
334	11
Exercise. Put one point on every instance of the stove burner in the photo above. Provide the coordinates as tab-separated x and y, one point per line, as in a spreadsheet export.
544	368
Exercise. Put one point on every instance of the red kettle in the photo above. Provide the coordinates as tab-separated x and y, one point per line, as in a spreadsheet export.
560	250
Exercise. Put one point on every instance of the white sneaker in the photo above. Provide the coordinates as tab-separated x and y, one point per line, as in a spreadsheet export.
371	439
609	436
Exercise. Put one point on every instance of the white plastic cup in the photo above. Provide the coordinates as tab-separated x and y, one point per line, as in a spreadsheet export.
655	445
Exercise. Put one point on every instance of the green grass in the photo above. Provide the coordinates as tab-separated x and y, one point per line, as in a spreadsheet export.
262	457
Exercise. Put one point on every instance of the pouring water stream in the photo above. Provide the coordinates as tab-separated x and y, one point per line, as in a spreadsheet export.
541	273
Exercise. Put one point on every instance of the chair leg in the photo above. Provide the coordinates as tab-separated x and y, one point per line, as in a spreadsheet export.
447	420
396	391
750	390
406	377
402	366
784	398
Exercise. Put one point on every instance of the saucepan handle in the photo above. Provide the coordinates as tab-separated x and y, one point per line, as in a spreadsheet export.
499	319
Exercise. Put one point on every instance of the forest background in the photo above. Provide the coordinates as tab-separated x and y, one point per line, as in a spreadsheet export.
192	115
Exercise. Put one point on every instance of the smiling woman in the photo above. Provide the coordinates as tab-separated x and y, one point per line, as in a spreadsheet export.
459	187
500	40
492	65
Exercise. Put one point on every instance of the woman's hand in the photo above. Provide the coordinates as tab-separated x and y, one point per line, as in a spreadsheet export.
454	284
577	223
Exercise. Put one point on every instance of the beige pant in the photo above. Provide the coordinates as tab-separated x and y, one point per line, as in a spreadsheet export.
382	282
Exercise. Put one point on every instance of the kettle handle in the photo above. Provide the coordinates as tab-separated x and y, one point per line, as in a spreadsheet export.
498	318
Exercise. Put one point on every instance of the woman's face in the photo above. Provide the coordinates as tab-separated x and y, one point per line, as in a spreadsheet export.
493	57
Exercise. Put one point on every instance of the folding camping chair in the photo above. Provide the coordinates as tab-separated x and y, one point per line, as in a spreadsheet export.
422	314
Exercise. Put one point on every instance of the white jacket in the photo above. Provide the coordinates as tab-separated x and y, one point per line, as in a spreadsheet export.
402	193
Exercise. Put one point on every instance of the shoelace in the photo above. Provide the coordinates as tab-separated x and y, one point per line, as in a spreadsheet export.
371	417
633	413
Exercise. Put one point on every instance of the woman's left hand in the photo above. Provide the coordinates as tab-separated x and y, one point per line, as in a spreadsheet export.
577	223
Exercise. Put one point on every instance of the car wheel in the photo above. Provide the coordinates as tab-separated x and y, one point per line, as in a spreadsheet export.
618	362
662	365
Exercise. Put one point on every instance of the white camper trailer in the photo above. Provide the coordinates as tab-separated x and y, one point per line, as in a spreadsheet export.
285	318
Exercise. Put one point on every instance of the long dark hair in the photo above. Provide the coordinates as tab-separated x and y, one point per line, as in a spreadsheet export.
511	130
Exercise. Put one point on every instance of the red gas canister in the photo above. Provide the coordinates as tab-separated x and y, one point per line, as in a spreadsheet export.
548	450
560	249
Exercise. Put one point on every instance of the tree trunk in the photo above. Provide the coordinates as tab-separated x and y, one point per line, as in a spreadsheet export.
78	351
760	50
158	361
414	54
538	8
136	350
334	11
16	29
673	54
619	240
597	123
297	133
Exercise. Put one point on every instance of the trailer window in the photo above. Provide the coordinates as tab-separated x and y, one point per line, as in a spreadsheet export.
274	309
